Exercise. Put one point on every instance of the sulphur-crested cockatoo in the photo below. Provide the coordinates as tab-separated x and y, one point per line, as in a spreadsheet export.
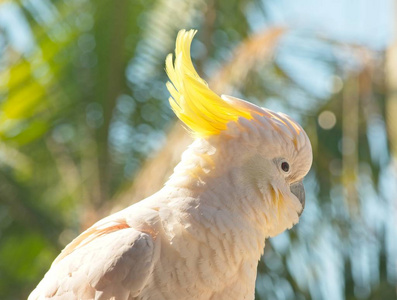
202	234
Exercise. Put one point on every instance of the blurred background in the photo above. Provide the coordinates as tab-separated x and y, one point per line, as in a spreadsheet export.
86	128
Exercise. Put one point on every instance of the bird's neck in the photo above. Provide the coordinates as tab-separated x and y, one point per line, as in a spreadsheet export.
229	206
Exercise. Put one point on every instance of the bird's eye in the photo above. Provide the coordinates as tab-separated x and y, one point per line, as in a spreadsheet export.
285	166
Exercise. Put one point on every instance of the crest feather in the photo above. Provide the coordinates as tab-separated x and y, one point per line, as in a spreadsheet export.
194	103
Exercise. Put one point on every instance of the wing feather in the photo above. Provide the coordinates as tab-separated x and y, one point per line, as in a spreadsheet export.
111	261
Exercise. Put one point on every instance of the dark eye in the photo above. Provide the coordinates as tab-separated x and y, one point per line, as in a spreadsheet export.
285	166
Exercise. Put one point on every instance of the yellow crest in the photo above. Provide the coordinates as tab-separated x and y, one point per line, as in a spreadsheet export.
194	103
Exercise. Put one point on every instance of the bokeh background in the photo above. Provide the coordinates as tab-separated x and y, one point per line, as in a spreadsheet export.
86	128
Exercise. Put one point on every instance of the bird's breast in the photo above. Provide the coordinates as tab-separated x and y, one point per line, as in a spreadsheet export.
202	258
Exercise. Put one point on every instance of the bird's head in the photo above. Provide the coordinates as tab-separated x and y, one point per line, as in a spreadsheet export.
267	152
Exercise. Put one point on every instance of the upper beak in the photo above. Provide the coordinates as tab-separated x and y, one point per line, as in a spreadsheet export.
299	191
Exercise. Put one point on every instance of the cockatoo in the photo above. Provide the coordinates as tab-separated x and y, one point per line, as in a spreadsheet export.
202	234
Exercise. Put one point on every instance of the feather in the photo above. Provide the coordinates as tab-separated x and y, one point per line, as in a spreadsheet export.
194	103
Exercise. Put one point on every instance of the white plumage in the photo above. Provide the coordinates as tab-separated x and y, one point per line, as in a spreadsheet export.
201	236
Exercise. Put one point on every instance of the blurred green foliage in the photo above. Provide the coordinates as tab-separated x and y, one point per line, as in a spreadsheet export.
83	105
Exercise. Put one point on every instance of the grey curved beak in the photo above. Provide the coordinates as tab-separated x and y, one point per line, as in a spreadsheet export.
299	191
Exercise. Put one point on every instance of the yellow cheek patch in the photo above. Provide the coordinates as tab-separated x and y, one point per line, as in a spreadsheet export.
194	103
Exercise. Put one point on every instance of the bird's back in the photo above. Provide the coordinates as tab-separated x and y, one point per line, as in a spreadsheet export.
154	249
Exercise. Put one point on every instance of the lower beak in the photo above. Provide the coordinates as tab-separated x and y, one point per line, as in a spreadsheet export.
299	191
